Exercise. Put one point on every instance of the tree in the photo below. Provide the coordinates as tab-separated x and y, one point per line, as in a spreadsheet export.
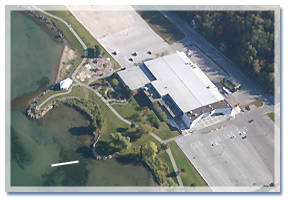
97	50
115	82
127	92
150	151
120	141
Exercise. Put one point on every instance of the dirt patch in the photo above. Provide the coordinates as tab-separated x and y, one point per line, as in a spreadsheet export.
67	55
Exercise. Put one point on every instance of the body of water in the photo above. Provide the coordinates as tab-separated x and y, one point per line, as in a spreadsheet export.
63	134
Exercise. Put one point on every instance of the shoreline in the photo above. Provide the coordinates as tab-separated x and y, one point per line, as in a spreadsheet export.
59	64
67	55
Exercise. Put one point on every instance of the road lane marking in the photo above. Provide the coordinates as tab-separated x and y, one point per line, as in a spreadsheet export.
64	163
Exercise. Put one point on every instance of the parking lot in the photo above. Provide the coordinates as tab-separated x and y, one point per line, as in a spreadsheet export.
226	158
139	39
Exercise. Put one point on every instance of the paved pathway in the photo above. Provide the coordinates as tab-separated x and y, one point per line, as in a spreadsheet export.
52	96
174	167
77	69
165	141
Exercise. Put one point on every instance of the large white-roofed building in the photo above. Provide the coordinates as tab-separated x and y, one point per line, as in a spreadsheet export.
185	91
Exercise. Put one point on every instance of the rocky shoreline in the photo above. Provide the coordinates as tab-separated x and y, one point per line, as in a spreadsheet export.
99	157
49	23
33	114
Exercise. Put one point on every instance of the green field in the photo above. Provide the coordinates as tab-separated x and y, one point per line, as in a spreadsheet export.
133	112
164	157
48	94
162	26
190	176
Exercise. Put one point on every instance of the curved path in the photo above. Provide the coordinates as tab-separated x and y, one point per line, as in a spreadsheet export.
77	69
52	96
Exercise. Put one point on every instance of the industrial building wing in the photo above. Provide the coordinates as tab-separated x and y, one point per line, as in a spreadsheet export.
180	87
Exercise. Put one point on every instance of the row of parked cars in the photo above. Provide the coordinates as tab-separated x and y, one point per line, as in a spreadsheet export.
133	54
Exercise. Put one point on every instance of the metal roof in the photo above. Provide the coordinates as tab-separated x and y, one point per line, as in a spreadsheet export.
187	85
134	77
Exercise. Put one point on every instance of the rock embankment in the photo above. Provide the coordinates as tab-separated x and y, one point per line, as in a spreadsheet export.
96	155
48	22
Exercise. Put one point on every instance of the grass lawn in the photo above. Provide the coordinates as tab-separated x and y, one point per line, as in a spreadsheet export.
274	117
162	26
131	112
164	132
191	175
85	36
258	103
164	157
48	94
128	111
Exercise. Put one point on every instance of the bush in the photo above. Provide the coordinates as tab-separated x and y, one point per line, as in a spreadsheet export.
115	82
164	146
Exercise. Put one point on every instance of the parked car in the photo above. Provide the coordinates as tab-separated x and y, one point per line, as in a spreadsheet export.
248	108
114	53
244	137
149	52
130	59
250	121
242	133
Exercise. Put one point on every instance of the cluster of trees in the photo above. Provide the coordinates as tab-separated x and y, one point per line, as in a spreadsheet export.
248	38
159	112
120	141
161	170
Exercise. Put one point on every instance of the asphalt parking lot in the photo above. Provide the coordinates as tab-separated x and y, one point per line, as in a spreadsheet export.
225	159
139	38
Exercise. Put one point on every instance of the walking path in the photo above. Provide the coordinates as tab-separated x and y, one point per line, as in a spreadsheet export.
77	69
174	167
99	95
165	141
52	96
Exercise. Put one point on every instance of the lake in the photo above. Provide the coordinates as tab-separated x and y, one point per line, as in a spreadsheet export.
64	134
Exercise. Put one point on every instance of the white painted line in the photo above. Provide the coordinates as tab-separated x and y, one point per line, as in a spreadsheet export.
64	163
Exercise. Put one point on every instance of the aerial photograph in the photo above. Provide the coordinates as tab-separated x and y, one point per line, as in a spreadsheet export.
142	98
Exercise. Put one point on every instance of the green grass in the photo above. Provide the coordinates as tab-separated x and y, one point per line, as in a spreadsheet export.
48	94
128	111
191	175
131	111
164	157
164	132
85	36
258	103
274	117
162	26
